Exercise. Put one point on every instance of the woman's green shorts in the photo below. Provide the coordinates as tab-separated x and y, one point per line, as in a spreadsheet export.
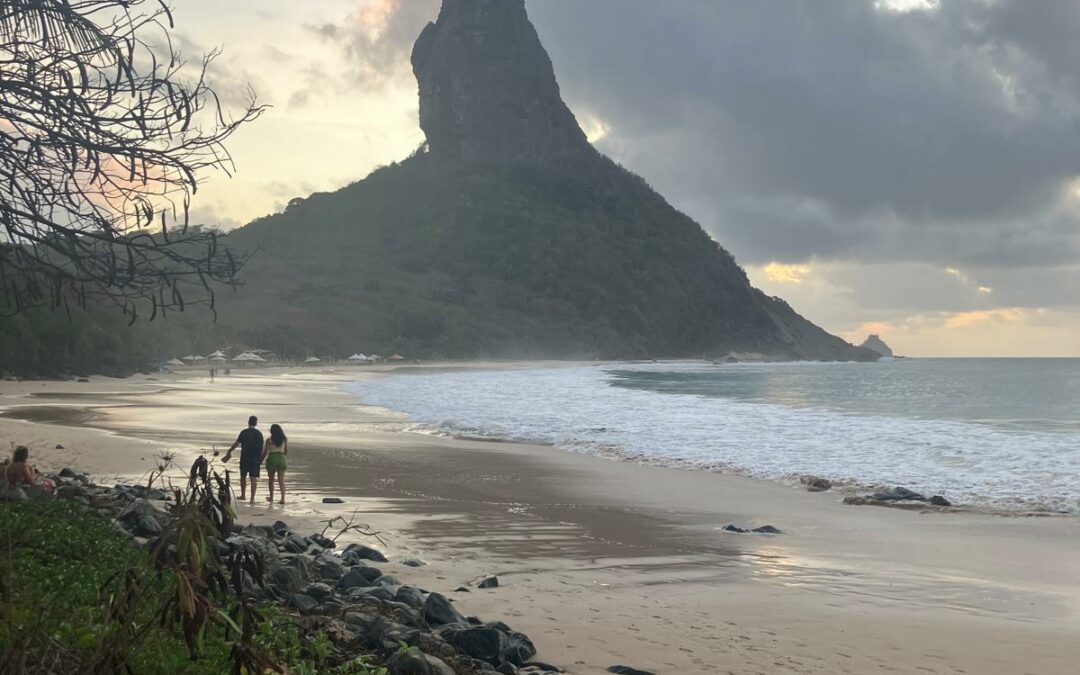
275	462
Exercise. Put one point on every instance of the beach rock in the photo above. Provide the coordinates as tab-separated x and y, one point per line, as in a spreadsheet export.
540	665
76	492
816	484
938	500
141	518
280	528
83	380
329	570
897	494
286	580
462	589
388	581
507	669
359	576
494	643
439	612
361	620
413	597
765	529
318	590
361	552
413	562
295	544
333	500
304	603
66	472
378	592
325	543
627	670
488	582
415	662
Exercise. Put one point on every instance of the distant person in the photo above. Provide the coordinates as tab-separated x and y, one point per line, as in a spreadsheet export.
250	441
274	451
211	376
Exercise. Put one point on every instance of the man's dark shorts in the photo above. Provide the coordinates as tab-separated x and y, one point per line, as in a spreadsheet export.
250	465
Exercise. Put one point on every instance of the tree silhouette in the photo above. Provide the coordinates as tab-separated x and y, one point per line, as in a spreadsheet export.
105	133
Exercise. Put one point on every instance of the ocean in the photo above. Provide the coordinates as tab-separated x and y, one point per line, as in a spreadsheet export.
991	433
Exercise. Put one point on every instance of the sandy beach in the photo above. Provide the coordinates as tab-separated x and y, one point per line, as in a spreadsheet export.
605	562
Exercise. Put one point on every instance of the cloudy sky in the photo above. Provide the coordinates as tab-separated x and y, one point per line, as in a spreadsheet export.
904	167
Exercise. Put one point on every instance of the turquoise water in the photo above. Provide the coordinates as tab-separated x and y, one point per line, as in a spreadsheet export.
994	433
1030	394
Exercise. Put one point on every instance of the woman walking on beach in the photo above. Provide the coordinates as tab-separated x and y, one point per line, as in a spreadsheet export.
274	451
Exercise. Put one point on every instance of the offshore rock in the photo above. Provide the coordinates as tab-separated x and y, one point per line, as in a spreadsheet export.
875	344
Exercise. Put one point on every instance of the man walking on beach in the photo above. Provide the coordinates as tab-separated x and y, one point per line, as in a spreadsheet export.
250	441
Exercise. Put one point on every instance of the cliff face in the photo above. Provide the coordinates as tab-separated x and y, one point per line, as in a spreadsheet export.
487	87
510	236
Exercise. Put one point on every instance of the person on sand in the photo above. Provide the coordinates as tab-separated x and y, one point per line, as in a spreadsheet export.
250	441
19	473
274	451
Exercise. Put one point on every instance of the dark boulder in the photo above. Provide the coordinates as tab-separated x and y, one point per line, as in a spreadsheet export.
897	494
359	576
439	611
324	542
295	544
333	500
304	603
494	643
764	529
627	670
415	662
938	500
141	518
361	552
286	580
816	483
488	582
318	591
413	597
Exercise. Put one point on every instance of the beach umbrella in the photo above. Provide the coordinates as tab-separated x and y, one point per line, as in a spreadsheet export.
218	355
218	359
176	362
358	358
255	358
188	358
244	357
395	357
313	359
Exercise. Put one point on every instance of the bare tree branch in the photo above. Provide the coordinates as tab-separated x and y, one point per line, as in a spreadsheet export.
105	134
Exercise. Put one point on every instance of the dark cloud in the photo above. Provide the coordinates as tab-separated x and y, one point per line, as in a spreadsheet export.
834	129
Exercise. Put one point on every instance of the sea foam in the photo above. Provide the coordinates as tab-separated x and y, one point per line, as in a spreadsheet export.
579	409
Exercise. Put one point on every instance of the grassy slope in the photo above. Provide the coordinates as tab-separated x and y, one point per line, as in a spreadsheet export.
508	260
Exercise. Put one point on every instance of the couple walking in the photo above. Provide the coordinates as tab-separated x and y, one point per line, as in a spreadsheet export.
254	452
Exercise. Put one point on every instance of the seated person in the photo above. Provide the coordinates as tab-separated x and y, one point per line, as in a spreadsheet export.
18	472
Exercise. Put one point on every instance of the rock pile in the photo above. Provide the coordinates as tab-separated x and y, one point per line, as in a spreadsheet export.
899	497
339	593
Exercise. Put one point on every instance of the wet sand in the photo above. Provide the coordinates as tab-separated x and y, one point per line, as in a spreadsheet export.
606	562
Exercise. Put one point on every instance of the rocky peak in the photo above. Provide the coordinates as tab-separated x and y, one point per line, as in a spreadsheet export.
487	87
876	344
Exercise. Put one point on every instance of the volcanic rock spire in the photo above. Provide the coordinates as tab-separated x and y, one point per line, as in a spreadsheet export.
487	87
